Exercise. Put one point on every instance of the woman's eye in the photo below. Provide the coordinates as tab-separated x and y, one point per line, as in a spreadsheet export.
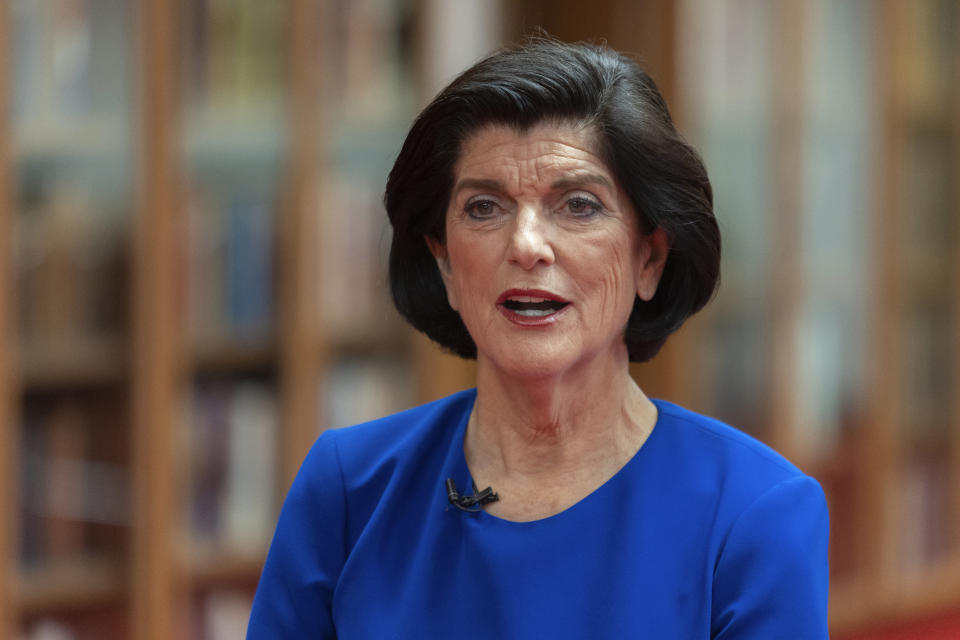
481	209
583	207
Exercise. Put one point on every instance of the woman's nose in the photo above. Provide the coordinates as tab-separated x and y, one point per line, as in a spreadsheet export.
529	242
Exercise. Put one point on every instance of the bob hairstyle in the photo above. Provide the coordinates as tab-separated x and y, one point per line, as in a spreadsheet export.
583	84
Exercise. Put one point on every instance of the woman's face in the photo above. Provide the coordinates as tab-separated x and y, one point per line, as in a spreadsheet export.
543	257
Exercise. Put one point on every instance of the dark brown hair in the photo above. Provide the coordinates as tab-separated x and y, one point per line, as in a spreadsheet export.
546	80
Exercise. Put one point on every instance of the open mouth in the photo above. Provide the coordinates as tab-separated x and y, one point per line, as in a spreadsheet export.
531	304
533	307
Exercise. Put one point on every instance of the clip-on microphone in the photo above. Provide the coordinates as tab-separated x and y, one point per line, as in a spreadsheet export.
470	504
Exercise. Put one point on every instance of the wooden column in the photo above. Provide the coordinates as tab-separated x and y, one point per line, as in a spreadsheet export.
786	285
954	484
878	480
157	330
298	237
9	420
648	30
439	373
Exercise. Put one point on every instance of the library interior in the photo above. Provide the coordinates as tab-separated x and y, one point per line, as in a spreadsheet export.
193	277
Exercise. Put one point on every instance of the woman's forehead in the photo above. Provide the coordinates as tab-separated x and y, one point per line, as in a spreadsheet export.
547	151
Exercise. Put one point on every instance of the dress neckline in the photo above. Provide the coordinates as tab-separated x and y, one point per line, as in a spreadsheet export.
463	478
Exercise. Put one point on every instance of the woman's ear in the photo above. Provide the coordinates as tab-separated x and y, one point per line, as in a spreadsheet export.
439	251
652	252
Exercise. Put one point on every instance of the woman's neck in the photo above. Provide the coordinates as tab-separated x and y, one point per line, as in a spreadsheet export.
570	432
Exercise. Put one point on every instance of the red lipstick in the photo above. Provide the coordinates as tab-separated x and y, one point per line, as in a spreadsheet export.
531	307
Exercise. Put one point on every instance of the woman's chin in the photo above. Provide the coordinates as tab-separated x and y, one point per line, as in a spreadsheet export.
537	362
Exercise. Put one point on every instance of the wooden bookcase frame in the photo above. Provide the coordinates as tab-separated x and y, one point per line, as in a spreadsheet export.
9	394
157	329
158	583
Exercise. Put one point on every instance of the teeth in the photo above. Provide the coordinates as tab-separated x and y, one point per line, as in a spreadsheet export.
533	306
537	313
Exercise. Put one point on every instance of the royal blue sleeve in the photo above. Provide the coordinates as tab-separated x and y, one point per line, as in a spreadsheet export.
772	578
293	598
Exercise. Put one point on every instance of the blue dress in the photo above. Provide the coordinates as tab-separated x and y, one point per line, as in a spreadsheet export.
704	533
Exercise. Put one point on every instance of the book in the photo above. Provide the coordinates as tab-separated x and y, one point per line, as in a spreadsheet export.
352	263
74	502
358	389
71	259
225	614
230	443
231	265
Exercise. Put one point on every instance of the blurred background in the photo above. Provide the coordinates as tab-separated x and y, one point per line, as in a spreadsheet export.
192	277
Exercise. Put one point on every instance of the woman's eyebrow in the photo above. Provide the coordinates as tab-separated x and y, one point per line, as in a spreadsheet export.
482	184
580	180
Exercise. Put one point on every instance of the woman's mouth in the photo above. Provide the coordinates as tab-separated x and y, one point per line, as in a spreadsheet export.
528	307
532	306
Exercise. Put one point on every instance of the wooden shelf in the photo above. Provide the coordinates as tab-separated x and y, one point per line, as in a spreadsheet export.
233	356
388	339
917	595
209	570
80	585
217	140
91	139
81	362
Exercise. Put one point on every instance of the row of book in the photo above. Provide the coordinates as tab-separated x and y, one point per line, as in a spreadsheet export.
74	480
72	262
70	59
352	260
359	389
95	625
72	258
367	53
73	275
229	444
231	263
75	453
73	265
736	110
219	614
234	53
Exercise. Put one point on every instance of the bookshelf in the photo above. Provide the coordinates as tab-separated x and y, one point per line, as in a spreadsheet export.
842	116
9	392
191	194
157	129
831	134
66	205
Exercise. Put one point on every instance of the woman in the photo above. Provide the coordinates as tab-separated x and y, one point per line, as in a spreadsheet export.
550	222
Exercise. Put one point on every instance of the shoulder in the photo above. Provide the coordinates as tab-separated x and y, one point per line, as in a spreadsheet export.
724	467
400	433
373	462
771	527
720	450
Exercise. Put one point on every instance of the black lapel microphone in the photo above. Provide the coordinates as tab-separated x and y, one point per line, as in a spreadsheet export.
470	504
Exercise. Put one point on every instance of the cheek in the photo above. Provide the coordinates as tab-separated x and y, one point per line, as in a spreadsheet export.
619	291
461	281
611	278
